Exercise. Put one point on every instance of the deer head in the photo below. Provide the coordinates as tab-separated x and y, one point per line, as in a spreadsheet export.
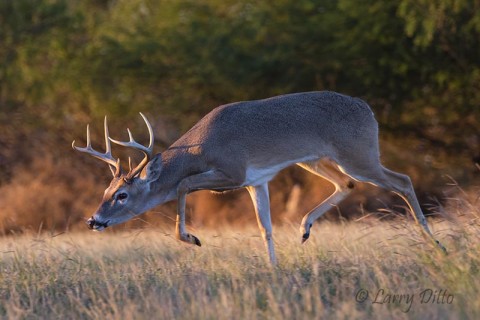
128	193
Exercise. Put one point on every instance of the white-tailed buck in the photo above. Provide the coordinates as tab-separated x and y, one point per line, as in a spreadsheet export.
244	145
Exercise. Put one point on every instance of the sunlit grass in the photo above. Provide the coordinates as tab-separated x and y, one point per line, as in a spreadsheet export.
149	275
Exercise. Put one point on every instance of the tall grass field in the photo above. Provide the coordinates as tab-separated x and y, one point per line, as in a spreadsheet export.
367	269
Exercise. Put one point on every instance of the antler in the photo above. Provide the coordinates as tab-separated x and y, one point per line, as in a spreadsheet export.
148	151
114	164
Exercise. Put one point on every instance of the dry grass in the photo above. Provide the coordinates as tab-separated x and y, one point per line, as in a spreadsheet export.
149	275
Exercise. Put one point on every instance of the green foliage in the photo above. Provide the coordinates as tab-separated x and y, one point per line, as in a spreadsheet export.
445	34
416	62
35	44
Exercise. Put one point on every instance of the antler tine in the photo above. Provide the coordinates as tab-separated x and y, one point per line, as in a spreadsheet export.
148	151
108	146
150	132
114	164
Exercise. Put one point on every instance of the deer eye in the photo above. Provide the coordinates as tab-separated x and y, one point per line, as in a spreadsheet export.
122	196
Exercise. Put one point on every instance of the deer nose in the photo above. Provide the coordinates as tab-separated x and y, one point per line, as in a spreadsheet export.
91	223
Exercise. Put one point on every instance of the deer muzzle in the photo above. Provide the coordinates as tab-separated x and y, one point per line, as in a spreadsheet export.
97	225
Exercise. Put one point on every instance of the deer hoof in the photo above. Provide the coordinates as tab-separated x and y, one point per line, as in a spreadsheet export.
306	232
189	238
196	241
305	237
444	250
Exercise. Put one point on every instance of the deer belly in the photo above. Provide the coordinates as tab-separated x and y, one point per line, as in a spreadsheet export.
257	176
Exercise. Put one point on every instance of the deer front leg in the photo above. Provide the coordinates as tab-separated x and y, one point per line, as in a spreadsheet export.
210	180
180	229
261	204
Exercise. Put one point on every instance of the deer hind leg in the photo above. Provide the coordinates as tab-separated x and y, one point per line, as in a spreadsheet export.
210	180
401	185
328	170
261	203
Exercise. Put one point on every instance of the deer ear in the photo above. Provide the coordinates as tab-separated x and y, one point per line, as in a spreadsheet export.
153	168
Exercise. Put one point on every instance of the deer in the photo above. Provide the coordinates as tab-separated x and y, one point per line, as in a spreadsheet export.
244	145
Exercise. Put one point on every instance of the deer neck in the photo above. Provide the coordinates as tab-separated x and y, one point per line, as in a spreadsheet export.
177	164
